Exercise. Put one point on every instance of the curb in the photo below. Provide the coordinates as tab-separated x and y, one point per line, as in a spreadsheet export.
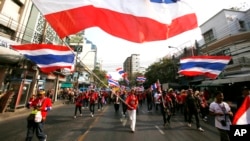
23	112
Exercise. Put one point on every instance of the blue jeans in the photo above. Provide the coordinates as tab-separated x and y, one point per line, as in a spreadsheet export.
35	127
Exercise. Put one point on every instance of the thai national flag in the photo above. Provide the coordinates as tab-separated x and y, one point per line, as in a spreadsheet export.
242	115
133	20
113	82
121	72
48	57
126	80
153	86
108	76
209	66
141	79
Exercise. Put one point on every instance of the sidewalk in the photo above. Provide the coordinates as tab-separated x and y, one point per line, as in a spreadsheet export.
24	111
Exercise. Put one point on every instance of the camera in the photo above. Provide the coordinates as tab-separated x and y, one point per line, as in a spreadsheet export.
223	123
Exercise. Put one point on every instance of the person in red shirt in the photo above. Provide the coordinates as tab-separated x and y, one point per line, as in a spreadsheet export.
183	107
166	105
204	109
132	103
85	99
78	104
92	101
31	99
43	104
172	95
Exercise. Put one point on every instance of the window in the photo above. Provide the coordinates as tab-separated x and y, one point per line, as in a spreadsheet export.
241	25
208	36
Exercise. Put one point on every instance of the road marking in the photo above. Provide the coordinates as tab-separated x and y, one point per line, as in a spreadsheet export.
159	129
143	111
81	138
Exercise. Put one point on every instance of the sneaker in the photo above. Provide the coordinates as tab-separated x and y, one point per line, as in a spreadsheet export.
204	119
200	129
91	114
80	115
74	116
132	131
189	125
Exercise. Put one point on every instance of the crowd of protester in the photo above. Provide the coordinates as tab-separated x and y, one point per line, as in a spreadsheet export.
193	104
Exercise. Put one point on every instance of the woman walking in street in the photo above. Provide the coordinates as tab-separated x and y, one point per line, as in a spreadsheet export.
166	105
132	102
78	104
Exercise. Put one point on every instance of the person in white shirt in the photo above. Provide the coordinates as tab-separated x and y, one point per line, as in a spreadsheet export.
222	112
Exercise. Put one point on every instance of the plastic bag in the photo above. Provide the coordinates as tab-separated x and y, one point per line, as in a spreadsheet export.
38	117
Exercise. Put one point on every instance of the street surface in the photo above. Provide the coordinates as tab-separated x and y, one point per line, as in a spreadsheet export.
107	125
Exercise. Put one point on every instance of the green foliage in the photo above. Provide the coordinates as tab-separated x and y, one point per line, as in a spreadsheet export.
165	71
102	76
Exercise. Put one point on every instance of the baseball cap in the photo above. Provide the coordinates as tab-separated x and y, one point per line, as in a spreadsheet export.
170	89
41	92
245	88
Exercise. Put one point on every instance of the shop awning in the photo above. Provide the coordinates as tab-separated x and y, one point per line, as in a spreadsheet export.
66	85
229	79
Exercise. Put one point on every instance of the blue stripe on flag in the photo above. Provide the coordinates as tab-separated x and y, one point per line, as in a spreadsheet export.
205	65
164	1
50	59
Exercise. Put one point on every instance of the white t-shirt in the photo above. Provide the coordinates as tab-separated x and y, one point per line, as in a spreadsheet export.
217	108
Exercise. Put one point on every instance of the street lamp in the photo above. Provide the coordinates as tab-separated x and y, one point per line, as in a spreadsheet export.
178	50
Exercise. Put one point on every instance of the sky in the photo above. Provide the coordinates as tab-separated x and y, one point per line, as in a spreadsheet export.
112	51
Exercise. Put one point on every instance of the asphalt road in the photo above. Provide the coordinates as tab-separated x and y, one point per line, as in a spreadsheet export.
107	125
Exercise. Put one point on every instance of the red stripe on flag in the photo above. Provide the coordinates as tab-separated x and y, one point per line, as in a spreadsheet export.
128	27
195	73
242	116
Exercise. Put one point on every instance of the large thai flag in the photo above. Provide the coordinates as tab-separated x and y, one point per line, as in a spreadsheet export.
242	115
132	20
47	57
209	66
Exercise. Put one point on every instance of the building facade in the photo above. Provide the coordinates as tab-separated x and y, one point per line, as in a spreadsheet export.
227	33
21	23
132	65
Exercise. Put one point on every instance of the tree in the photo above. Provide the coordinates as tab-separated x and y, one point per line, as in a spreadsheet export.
102	81
165	71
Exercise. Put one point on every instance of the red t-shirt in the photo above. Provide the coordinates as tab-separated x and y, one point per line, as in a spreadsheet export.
44	103
132	101
93	97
